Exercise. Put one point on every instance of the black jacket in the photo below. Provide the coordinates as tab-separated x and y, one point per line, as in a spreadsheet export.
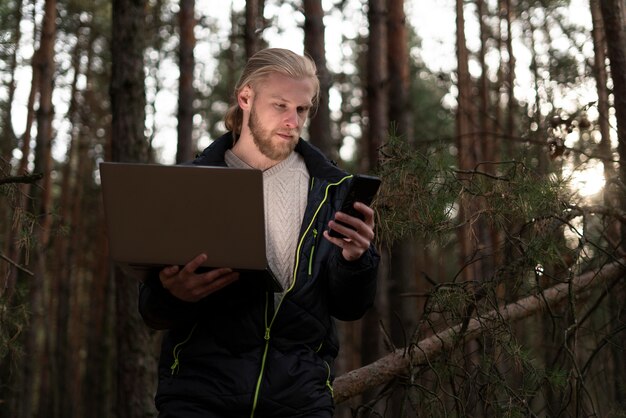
237	353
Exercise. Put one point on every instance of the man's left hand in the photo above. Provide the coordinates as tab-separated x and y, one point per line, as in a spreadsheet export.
356	241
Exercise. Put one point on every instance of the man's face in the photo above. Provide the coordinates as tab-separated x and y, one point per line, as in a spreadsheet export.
278	112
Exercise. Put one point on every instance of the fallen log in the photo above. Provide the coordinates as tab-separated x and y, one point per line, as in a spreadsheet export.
396	363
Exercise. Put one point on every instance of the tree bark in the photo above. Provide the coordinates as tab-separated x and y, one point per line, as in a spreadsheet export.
254	26
614	17
613	14
404	257
377	81
187	24
127	82
7	135
319	125
136	377
398	60
63	281
510	73
38	371
13	250
468	155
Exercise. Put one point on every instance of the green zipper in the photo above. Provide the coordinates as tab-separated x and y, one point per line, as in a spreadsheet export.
329	385
299	249
177	349
293	283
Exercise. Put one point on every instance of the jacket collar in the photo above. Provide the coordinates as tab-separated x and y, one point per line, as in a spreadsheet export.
316	162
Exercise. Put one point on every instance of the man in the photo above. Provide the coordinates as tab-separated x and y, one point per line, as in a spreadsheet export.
234	349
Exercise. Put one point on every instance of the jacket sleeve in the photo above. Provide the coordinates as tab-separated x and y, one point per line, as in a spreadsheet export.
159	308
352	284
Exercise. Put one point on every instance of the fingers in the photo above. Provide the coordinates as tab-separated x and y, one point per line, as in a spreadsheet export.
367	212
186	285
202	285
364	228
356	240
191	267
216	280
168	272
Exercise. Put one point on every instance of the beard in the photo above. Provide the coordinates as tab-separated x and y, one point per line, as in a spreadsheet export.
276	151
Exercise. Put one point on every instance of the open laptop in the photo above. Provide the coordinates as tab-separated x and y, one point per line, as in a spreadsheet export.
159	215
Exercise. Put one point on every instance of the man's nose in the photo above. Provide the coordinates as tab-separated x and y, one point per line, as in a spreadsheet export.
291	119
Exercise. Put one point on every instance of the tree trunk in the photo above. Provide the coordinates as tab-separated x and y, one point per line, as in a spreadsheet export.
45	114
377	105
14	251
472	234
398	60
187	24
486	138
601	77
467	157
614	17
510	73
319	125
61	265
405	255
377	81
254	26
136	367
127	82
613	14
8	140
611	191
38	371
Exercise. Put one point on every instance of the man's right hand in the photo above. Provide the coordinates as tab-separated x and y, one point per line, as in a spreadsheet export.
188	286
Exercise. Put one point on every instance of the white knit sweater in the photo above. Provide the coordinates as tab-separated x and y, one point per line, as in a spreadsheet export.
285	189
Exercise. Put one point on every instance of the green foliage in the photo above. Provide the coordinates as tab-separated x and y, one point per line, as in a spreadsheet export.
417	192
14	319
422	191
14	312
454	386
557	378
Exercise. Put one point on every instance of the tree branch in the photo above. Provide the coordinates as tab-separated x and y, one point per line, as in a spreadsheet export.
16	265
28	179
396	363
617	213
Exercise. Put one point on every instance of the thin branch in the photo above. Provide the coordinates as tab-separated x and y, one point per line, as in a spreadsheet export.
28	179
598	210
16	265
482	173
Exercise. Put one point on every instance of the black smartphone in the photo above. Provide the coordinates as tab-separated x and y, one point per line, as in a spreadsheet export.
362	189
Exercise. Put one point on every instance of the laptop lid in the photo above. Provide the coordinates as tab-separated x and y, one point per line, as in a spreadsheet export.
159	215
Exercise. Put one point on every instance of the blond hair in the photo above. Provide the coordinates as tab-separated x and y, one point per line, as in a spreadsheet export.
266	62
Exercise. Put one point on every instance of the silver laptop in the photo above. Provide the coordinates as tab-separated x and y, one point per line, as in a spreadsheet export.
158	215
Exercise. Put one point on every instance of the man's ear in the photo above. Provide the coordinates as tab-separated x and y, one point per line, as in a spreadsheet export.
244	97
